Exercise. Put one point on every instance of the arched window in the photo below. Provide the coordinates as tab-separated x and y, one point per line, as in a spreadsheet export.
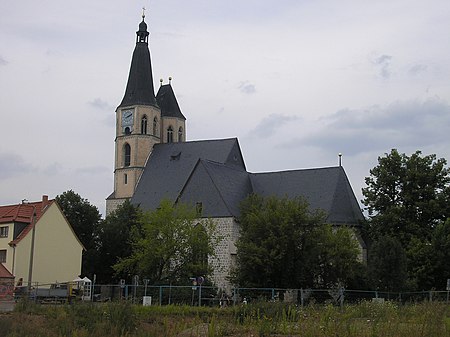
127	155
155	126
200	251
127	130
169	135
144	125
180	134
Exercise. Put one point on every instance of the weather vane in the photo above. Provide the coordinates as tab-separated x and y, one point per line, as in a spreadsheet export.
143	12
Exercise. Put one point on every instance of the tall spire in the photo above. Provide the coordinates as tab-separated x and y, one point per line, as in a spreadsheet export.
140	89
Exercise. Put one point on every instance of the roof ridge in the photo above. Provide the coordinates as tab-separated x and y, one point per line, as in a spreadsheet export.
296	170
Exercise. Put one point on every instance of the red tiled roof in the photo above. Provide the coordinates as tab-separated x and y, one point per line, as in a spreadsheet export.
4	273
23	213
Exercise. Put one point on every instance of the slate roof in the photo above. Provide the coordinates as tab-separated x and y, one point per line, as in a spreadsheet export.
140	90
170	165
324	188
168	103
213	172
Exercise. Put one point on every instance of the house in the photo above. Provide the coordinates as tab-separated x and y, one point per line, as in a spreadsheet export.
156	162
38	243
6	285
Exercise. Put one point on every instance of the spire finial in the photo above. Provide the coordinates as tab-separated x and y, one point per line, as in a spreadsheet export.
161	82
170	79
143	13
340	159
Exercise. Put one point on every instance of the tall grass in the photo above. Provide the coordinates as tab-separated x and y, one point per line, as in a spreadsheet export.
121	319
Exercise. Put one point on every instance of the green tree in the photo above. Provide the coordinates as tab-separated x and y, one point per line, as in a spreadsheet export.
440	246
173	246
84	219
407	197
113	237
284	244
387	264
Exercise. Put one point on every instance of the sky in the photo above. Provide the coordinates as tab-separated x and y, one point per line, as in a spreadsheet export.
297	82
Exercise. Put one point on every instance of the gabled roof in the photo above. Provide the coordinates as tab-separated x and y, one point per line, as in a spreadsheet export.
324	188
170	165
168	103
213	173
218	186
23	213
4	273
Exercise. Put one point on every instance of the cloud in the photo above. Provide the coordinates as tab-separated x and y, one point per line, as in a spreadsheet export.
247	88
93	170
377	128
12	165
3	62
98	103
269	125
417	69
382	63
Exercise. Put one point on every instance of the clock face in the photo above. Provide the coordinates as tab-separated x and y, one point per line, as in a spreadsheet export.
127	117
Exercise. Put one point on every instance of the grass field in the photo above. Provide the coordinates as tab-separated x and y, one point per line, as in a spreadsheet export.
259	319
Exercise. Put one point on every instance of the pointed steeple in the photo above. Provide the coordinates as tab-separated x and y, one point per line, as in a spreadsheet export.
140	89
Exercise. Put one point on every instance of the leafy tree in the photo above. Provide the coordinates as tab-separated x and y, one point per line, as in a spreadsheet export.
284	244
113	237
84	218
407	197
387	264
173	246
440	246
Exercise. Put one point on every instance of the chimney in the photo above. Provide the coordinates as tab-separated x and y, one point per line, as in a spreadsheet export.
44	202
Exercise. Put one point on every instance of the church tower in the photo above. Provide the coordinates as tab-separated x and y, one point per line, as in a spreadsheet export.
142	120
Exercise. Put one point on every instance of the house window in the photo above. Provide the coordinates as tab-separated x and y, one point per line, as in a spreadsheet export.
4	231
144	125
170	135
2	255
180	134
125	178
127	155
155	126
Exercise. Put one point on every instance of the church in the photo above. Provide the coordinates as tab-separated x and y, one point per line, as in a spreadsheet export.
153	161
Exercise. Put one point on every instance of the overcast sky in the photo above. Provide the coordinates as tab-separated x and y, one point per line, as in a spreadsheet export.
296	81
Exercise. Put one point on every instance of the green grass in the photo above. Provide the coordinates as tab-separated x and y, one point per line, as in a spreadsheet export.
365	319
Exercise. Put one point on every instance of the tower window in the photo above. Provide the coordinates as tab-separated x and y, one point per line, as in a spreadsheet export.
127	155
155	126
125	178
169	135
144	125
180	134
127	130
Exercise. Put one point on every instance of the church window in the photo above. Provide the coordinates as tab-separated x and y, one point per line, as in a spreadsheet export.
127	155
127	130
155	126
144	125
199	252
180	134
4	231
125	178
199	208
3	256
169	135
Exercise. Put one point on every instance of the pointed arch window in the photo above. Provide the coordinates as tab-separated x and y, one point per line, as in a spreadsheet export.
155	126
180	134
127	155
144	125
169	135
200	251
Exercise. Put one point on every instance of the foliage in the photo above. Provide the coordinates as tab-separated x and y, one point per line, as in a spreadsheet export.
440	246
169	246
283	244
387	264
84	219
408	198
113	236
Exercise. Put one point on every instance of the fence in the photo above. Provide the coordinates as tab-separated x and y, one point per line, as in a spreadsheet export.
212	296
